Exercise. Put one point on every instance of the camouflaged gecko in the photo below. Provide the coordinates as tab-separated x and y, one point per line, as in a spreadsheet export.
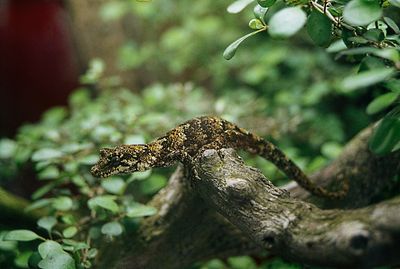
192	137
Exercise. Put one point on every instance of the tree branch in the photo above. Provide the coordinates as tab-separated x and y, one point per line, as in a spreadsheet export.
186	229
294	229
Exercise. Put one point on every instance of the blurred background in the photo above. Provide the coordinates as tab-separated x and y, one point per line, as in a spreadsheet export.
112	72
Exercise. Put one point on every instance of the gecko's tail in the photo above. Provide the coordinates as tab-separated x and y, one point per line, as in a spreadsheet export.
256	145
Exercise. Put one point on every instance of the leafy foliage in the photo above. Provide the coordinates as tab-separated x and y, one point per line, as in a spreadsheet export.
65	144
366	36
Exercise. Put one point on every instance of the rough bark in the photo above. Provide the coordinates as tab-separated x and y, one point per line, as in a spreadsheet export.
188	228
294	229
185	230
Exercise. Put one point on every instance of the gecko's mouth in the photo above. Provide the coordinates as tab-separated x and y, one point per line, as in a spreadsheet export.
107	169
103	170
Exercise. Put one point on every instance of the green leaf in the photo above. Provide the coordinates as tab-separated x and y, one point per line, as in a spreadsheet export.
94	232
7	245
21	261
38	204
241	262
393	85
21	235
114	185
336	46
238	6
231	49
139	176
319	28
34	260
89	159
70	231
153	184
80	97
375	35
266	3
8	148
382	102
49	247
43	190
54	116
260	12
95	71
387	53
49	172
105	201
370	63
331	150
361	12
112	228
75	244
68	219
59	260
385	136
255	24
286	22
62	203
92	253
392	24
395	3
47	223
365	79
138	210
46	154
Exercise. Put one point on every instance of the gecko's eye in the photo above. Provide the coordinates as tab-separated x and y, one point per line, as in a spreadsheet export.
114	159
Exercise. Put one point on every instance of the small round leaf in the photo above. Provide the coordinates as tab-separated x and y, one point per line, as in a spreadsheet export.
104	201
62	203
138	210
46	154
49	247
114	185
287	22
47	223
112	228
255	24
319	28
361	12
70	232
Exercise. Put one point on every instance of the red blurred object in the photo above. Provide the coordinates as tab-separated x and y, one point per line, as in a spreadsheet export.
38	66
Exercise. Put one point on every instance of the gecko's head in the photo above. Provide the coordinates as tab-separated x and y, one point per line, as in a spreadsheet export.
120	160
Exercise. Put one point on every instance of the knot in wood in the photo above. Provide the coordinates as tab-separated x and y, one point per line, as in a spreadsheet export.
356	237
239	188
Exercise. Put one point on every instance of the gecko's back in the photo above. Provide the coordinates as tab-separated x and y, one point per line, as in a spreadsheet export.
208	132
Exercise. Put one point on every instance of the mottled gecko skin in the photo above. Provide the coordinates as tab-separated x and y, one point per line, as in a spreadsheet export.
188	139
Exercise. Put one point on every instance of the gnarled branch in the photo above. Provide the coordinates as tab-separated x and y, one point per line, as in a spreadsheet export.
295	229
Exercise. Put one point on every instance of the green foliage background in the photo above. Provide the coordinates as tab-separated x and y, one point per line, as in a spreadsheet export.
307	99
